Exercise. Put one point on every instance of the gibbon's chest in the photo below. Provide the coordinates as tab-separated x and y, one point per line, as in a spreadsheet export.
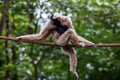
61	29
58	31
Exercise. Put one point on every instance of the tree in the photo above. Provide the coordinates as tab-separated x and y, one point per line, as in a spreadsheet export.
96	20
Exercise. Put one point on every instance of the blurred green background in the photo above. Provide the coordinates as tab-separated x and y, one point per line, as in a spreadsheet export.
95	20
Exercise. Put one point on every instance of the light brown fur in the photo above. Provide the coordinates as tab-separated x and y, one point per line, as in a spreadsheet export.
62	40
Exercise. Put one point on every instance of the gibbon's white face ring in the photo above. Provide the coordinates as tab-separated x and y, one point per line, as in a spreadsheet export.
56	15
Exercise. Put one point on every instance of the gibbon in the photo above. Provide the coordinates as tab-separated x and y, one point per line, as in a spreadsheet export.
63	33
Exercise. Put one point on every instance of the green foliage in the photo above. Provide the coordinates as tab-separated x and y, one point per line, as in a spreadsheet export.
96	20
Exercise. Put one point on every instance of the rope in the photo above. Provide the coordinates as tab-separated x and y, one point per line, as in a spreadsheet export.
53	44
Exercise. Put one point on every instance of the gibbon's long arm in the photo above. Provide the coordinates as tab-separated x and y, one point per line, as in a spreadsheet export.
37	37
73	60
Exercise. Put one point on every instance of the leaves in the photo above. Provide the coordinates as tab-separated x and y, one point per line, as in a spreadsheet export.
95	20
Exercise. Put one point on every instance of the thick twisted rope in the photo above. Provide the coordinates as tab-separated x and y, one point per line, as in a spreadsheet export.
53	44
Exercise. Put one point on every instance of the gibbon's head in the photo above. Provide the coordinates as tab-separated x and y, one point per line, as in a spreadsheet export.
56	16
55	19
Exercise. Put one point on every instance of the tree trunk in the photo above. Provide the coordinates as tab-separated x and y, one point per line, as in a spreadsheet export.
4	12
6	47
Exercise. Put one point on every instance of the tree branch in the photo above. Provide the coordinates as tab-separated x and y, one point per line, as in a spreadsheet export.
53	44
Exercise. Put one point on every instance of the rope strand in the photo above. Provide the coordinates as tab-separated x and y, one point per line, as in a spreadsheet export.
53	44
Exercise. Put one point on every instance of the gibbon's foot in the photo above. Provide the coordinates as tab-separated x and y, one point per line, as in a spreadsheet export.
83	44
75	74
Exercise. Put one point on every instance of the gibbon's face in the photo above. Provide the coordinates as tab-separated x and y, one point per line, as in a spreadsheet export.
55	19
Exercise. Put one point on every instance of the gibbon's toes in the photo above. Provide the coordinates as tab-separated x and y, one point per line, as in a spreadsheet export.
93	45
75	74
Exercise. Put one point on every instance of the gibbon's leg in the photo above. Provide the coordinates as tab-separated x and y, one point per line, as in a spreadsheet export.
73	60
36	37
70	34
64	38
